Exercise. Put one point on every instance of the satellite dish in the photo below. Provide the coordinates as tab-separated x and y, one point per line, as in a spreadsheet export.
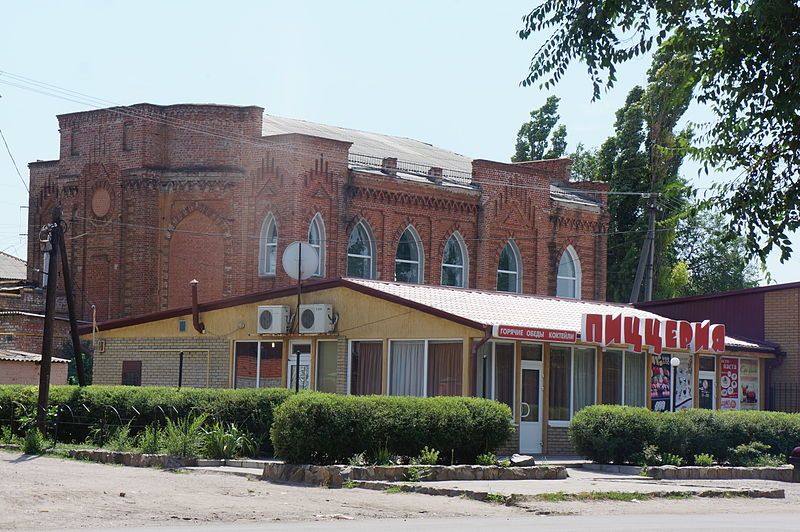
300	260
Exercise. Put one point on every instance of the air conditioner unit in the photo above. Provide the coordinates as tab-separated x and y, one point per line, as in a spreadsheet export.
316	318
273	319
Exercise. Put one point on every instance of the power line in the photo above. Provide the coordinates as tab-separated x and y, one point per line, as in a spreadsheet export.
24	184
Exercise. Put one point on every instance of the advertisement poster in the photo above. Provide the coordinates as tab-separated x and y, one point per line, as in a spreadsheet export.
729	383
684	382
748	384
660	391
706	398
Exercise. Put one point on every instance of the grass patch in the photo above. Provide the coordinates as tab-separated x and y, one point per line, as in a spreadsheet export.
396	489
497	498
624	496
349	484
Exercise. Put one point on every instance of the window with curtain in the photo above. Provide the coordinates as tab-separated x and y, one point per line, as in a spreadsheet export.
268	258
508	269
612	377
584	378
327	363
560	390
408	259
454	262
568	281
635	389
360	252
316	238
407	368
269	364
504	374
245	364
445	361
366	367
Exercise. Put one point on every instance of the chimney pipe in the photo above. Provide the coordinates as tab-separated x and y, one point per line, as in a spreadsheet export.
198	325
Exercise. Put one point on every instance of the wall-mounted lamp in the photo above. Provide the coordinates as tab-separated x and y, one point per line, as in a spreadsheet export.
675	362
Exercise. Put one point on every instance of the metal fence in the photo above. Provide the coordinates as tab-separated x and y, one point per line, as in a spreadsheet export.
785	397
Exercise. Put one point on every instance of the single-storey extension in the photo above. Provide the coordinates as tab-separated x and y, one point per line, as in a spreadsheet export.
545	357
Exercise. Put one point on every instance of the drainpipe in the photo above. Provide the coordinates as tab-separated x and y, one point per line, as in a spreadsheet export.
198	325
487	335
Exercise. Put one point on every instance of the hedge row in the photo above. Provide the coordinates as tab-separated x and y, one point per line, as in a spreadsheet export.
250	409
618	434
322	428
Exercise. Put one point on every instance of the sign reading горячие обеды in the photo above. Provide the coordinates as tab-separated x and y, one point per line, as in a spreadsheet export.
535	333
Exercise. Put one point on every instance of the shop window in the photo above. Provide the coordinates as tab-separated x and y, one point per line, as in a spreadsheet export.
445	361
268	256
361	252
454	262
408	258
623	378
532	352
407	369
366	367
131	372
316	238
499	371
568	281
257	364
327	364
508	269
572	381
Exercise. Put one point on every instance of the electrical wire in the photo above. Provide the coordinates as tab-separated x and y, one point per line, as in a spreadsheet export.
24	184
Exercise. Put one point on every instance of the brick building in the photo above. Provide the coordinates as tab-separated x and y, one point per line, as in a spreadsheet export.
766	314
155	196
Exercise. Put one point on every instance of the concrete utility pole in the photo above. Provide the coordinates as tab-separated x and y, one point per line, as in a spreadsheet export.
646	257
54	237
77	349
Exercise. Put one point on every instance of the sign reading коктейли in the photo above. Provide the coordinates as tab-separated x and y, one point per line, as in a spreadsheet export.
653	333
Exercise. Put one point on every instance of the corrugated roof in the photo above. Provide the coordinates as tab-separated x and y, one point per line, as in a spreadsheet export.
12	267
372	144
23	356
520	310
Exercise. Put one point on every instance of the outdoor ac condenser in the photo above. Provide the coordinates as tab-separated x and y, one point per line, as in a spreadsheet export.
316	318
273	319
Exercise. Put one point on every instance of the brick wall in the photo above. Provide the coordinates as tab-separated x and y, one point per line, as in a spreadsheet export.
782	326
13	372
22	321
558	441
206	361
159	204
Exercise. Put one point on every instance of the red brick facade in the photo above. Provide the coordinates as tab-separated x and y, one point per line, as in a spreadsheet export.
156	196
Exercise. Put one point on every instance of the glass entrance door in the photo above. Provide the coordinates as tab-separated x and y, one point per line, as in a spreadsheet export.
530	421
303	349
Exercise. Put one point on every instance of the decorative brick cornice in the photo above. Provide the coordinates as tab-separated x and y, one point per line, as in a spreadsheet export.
578	224
397	198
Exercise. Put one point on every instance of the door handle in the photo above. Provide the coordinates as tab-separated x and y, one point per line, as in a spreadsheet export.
527	412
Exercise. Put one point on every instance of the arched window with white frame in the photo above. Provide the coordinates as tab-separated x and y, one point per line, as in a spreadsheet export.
509	269
268	246
409	258
316	238
568	279
455	262
361	252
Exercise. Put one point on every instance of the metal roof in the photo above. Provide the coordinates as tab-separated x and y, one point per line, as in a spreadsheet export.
372	144
23	356
519	310
11	267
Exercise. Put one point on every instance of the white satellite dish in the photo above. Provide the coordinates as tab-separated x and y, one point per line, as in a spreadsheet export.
300	260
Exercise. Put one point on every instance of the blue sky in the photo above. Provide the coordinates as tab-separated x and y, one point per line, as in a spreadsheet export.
443	72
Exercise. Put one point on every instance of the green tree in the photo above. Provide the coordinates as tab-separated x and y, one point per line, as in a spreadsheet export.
745	57
72	372
710	257
540	138
585	164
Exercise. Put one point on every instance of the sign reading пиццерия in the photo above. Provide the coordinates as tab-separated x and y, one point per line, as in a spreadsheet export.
654	333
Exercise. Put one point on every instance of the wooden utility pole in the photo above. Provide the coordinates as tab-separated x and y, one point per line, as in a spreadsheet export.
54	237
77	349
646	257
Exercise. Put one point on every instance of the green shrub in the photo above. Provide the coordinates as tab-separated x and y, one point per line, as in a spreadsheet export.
226	441
184	436
33	442
703	460
121	440
150	440
671	459
427	456
754	454
416	473
250	409
651	456
327	428
358	460
486	459
619	434
6	436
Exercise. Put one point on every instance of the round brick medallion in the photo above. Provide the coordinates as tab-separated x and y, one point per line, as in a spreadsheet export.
101	202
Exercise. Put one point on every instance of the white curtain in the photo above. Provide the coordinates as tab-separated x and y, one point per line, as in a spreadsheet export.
583	368
407	369
634	379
